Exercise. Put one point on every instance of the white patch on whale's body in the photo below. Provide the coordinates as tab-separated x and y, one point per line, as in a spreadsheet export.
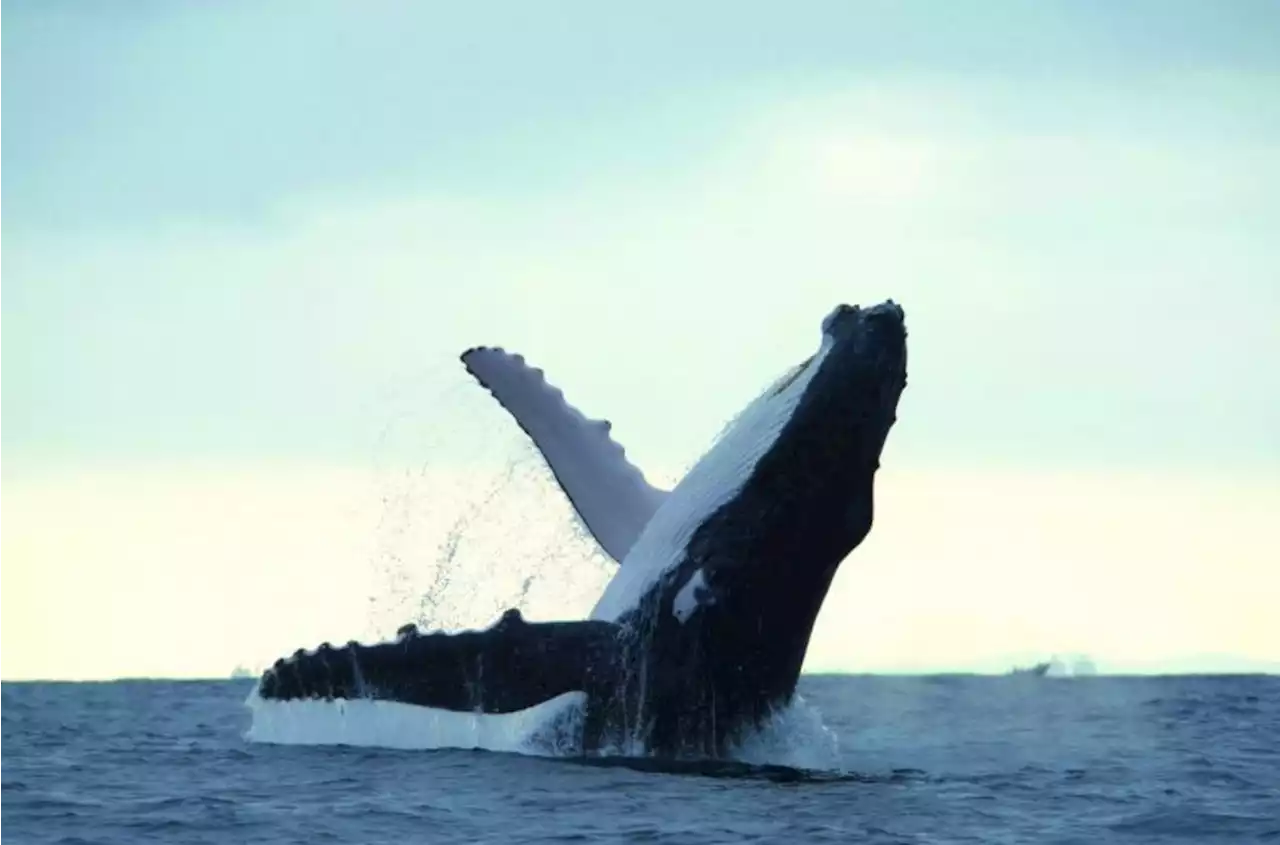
691	597
713	481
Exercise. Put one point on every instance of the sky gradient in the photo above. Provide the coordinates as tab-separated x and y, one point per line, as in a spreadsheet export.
244	244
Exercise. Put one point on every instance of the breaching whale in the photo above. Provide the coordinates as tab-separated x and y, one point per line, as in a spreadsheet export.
702	632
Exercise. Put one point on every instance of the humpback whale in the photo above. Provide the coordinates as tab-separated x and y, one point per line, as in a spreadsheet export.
700	635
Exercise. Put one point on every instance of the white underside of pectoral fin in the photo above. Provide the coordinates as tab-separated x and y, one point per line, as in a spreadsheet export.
609	493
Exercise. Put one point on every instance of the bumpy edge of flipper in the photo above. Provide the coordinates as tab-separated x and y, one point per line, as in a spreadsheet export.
609	493
510	666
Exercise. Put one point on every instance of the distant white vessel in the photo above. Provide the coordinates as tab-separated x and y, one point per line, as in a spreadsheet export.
1074	666
241	672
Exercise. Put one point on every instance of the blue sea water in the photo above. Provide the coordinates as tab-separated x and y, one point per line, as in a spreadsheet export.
916	759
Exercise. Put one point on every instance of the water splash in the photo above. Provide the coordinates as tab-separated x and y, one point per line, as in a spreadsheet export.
480	527
796	736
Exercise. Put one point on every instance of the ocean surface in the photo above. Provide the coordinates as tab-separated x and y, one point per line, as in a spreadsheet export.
865	759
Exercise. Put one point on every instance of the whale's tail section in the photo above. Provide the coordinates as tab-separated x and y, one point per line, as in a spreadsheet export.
609	493
510	666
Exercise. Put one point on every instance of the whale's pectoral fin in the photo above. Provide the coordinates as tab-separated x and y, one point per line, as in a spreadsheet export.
609	493
510	666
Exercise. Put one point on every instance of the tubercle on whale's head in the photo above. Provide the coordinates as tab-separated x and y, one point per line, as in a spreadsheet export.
881	329
868	358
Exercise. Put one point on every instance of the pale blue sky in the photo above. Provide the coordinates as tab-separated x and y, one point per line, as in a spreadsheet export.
257	235
136	113
157	155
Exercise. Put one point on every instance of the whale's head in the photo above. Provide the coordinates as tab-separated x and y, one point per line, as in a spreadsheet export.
811	487
795	474
785	493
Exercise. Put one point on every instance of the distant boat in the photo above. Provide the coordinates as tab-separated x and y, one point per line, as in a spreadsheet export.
1072	666
241	672
1039	670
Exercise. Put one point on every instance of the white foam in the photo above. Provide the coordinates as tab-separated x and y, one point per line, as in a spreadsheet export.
796	736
